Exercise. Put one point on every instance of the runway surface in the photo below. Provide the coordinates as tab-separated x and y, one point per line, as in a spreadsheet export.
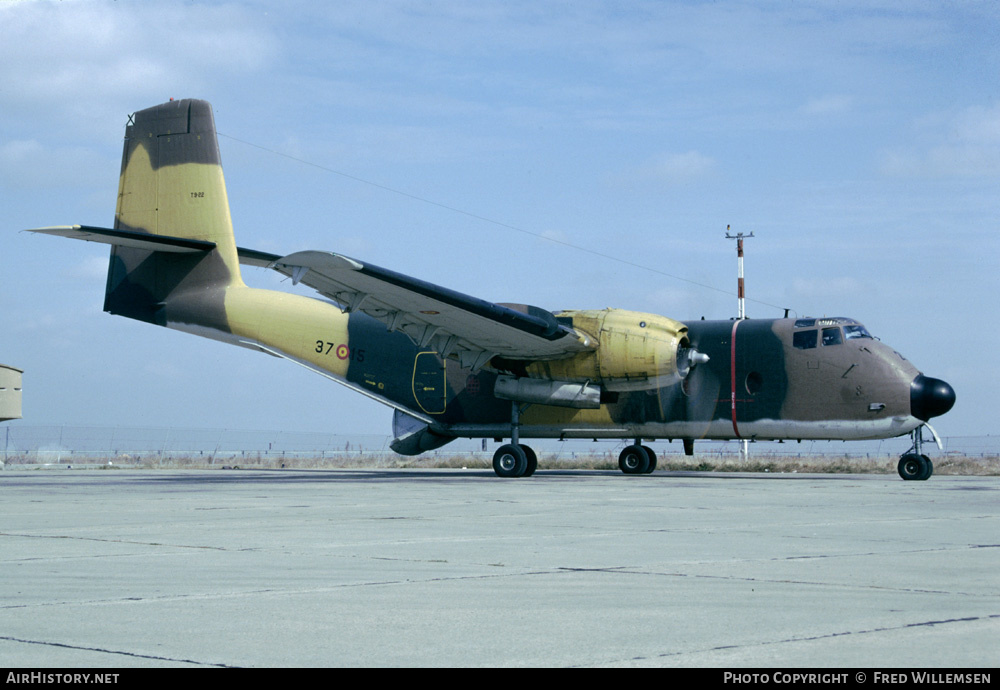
120	568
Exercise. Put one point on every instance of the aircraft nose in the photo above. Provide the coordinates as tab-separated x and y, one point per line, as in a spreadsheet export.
930	397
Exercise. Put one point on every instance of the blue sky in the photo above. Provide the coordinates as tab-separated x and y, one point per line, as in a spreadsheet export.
564	154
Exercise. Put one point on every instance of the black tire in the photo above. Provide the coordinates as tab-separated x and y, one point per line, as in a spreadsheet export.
633	460
529	453
651	454
913	467
930	468
510	461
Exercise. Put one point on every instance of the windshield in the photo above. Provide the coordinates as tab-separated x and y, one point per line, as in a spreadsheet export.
856	331
830	335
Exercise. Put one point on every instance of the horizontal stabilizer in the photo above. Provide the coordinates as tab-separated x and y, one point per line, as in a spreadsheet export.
128	238
155	243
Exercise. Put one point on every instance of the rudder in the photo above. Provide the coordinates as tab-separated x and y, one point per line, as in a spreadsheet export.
172	184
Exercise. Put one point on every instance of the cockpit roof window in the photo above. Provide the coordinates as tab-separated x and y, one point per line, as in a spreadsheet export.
826	321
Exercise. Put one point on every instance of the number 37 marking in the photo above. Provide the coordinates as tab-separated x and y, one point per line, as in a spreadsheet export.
342	351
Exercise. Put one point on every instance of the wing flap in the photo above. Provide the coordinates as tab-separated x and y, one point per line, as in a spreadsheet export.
451	322
254	257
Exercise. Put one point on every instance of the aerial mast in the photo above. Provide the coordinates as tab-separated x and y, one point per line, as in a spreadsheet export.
742	309
740	292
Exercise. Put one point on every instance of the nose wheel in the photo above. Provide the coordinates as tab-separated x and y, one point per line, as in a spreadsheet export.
914	465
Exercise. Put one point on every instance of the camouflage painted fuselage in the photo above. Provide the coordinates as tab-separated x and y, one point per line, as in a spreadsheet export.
174	263
756	384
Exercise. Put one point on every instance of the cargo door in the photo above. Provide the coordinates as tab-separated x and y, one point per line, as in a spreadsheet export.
429	390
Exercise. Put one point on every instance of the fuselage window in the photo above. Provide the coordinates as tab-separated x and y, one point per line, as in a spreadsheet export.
831	336
804	340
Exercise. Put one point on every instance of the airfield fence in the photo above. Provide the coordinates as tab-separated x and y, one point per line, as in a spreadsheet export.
33	445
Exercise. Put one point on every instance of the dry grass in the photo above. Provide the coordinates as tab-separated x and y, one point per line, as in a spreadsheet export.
947	464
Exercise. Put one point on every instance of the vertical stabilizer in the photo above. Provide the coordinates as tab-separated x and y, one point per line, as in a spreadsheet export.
172	184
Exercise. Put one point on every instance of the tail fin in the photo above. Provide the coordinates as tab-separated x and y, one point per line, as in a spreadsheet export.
171	184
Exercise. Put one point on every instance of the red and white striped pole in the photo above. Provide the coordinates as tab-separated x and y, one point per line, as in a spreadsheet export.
741	298
740	291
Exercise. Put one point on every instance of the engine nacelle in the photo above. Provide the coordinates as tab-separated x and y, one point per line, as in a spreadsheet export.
582	396
636	351
413	437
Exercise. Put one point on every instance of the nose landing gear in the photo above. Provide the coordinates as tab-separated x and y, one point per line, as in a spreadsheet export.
914	465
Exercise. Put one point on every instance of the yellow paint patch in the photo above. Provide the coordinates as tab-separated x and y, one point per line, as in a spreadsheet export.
302	328
638	351
547	415
187	200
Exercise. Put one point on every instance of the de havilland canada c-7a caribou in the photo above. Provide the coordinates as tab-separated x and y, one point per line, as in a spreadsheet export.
454	366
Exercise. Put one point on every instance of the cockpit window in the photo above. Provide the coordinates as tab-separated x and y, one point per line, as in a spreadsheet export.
810	322
857	331
831	336
804	340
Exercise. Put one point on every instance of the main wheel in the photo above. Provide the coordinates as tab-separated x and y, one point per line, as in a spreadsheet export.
913	467
651	454
510	461
532	460
633	460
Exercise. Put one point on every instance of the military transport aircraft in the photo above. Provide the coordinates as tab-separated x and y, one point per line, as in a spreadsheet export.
456	366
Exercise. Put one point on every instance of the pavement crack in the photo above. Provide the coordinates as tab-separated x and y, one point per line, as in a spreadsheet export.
813	638
117	541
118	652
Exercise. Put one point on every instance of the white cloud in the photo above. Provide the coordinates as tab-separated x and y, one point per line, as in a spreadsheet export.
676	168
685	303
100	59
831	289
978	126
90	269
27	164
828	105
557	236
964	144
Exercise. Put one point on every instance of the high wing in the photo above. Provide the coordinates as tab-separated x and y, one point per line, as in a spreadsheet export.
450	322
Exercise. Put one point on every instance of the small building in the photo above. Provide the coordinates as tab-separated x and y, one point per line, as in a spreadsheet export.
10	393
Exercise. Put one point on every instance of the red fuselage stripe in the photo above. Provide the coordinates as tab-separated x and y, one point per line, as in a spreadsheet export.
732	375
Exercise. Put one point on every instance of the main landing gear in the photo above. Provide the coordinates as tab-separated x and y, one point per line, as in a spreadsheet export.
516	460
637	459
914	465
512	459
